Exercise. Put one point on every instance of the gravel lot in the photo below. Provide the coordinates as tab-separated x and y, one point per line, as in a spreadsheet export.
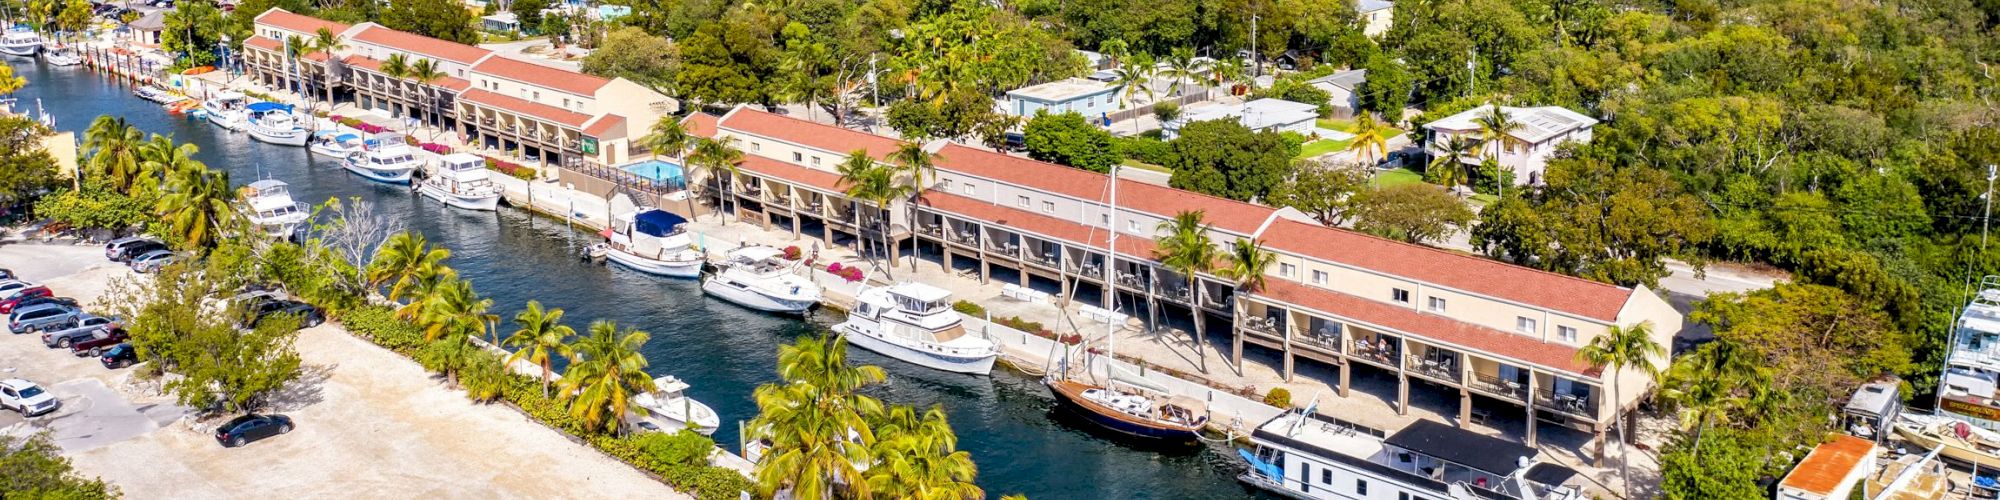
370	423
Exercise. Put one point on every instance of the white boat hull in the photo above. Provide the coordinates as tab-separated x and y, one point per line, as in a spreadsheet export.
487	203
293	137
398	176
20	50
231	121
332	151
63	60
673	269
870	340
733	292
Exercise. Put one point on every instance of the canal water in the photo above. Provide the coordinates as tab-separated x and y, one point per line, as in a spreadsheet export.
1007	421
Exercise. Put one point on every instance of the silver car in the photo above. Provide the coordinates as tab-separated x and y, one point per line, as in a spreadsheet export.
83	327
38	319
152	261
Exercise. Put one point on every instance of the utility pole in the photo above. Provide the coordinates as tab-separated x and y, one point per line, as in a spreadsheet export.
1986	217
1256	58
1471	70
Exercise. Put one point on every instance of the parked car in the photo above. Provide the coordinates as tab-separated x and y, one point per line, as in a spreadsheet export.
242	430
119	356
137	249
95	344
117	246
309	316
8	304
84	326
26	397
152	261
6	274
44	318
8	287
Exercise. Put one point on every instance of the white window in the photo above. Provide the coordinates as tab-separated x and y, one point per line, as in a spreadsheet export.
1567	334
1048	207
1021	201
756	146
1400	295
796	157
946	183
1132	225
1524	324
1104	219
1286	270
1319	277
968	188
1437	304
815	160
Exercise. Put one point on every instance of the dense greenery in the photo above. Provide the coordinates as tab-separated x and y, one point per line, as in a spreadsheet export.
33	467
1226	159
26	169
1069	139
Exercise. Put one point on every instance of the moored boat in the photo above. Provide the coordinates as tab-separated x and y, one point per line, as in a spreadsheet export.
157	95
461	180
1306	455
914	322
268	205
20	42
386	158
334	144
65	56
670	409
1137	413
274	123
1953	438
759	277
652	241
227	110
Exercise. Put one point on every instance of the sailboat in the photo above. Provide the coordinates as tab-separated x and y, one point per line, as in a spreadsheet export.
1124	403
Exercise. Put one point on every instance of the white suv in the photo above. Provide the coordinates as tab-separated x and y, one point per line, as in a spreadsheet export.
26	397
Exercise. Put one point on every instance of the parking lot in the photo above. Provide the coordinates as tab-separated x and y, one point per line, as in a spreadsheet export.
369	422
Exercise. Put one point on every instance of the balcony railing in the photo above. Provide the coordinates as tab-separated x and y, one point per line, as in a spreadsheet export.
1047	260
967	238
1264	325
1092	270
1325	340
1444	370
1379	351
1582	406
1494	385
627	179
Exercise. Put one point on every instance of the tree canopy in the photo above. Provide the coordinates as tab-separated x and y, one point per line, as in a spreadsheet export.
1226	159
1069	139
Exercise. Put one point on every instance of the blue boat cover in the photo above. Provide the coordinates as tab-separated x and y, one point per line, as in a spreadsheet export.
260	107
657	223
1270	471
346	137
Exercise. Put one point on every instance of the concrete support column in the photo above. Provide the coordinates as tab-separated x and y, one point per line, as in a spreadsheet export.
1288	358
1402	394
1345	368
947	257
1464	407
1597	455
1531	409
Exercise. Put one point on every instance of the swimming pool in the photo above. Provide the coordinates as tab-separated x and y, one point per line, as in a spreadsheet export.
661	171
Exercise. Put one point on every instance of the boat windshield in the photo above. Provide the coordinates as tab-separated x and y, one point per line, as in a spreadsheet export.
912	304
389	160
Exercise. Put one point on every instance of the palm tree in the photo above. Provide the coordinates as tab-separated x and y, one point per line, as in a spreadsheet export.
1183	246
917	456
911	158
396	67
1450	167
1619	348
453	310
401	260
295	48
606	371
196	206
718	157
541	339
1132	80
1228	70
1370	137
877	185
1705	385
1245	264
1183	68
426	291
325	41
1497	129
158	157
113	146
817	425
669	136
425	71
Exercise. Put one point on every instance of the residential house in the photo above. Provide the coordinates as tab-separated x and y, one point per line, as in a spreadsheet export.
1376	16
1433	320
501	21
1526	150
1262	115
1090	98
146	30
1343	90
1830	471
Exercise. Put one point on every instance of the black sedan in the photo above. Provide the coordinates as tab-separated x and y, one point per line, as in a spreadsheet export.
118	356
242	430
308	315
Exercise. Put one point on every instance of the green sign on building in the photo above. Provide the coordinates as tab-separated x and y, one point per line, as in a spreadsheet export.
589	145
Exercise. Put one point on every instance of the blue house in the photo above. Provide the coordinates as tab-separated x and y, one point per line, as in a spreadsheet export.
1089	98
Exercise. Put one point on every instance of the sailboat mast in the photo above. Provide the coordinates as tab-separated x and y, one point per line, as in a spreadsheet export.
1111	262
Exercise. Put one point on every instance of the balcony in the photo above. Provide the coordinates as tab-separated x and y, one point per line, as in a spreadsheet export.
1442	369
1583	406
1133	281
1505	389
1380	351
1273	326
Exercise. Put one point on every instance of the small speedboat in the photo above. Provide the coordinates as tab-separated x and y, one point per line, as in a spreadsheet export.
274	123
652	241
461	180
63	57
759	277
914	322
669	409
268	205
158	95
227	110
20	42
334	144
386	158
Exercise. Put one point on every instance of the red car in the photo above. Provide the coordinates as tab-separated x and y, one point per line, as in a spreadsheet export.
98	343
7	305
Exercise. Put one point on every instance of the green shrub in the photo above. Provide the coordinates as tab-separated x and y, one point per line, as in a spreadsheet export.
1279	397
380	325
525	173
970	309
484	377
686	447
1149	150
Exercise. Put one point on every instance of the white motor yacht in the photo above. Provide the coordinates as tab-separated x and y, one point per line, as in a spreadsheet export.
387	158
20	42
268	204
461	180
759	277
227	109
652	241
334	144
669	409
65	56
274	123
914	322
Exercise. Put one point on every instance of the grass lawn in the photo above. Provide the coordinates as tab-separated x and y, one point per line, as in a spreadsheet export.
1396	177
1143	165
1320	147
1336	124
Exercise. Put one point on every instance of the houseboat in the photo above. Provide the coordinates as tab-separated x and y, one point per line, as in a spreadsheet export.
1303	454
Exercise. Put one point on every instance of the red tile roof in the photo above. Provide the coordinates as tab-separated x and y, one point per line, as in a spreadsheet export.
1829	465
454	83
286	20
542	76
421	45
265	42
371	64
823	181
1038	224
1435	328
363	62
1225	214
826	137
700	125
604	125
517	105
1463	272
